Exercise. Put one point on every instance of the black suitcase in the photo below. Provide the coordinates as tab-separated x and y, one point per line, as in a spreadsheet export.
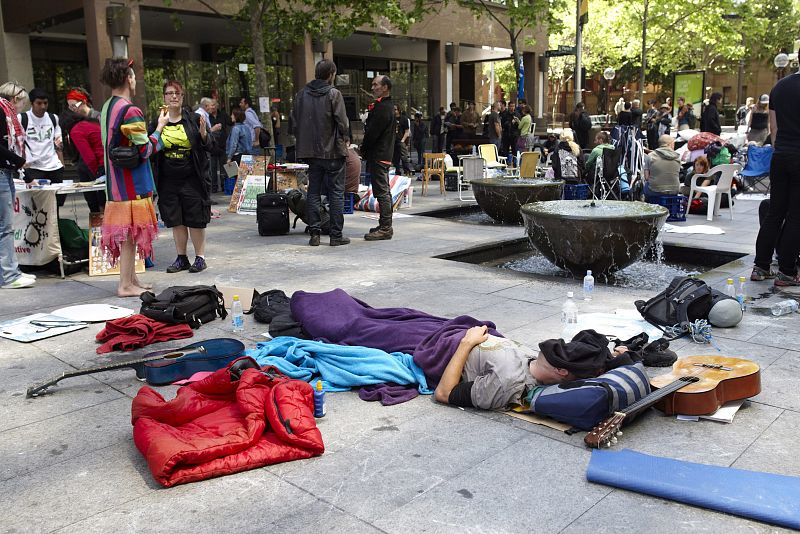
272	214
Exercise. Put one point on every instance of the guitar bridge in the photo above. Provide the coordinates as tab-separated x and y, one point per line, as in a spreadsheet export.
714	366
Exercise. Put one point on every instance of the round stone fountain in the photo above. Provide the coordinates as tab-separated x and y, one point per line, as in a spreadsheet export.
604	235
502	198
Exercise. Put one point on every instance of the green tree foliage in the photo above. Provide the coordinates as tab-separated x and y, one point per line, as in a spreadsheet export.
520	19
688	34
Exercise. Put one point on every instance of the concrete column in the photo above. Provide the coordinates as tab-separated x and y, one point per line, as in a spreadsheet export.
437	76
456	83
531	67
15	57
98	46
303	63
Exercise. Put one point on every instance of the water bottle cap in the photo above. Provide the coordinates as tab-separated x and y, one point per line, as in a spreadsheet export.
569	294
319	385
741	278
730	280
589	272
236	297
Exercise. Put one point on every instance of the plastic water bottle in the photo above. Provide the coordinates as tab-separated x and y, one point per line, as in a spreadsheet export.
474	151
741	293
729	289
784	307
319	400
569	311
588	286
237	316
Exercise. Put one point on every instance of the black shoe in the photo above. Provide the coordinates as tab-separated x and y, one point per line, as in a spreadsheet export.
180	264
340	241
198	265
314	241
380	234
657	354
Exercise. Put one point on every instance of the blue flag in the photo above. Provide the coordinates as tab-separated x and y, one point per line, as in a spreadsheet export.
521	88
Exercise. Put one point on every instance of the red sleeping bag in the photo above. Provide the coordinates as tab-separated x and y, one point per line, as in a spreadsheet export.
219	426
702	140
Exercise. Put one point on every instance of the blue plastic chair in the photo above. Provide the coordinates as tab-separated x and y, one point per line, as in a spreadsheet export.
756	171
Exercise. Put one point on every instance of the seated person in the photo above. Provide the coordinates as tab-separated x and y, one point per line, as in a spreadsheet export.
701	166
601	140
662	169
352	171
491	372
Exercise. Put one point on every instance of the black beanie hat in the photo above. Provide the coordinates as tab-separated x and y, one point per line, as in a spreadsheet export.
584	356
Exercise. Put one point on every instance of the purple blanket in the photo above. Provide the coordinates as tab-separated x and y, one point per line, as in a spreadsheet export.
336	317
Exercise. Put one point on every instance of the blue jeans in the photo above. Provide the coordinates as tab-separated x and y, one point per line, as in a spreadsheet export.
9	269
326	175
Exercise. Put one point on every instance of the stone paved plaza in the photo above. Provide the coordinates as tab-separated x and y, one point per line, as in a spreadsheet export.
70	465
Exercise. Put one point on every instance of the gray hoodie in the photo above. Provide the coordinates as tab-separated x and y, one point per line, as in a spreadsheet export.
665	166
320	119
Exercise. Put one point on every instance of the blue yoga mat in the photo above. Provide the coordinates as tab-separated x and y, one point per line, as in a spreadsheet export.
762	496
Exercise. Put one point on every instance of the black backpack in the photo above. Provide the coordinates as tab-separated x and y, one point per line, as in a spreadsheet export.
297	205
685	300
192	305
273	307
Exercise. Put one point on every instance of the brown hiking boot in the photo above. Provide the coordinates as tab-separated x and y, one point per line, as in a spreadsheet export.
379	234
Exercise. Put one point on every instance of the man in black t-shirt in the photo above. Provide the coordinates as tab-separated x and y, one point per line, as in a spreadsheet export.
782	223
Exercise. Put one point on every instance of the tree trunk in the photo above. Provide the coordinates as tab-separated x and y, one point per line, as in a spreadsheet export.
644	52
515	55
257	38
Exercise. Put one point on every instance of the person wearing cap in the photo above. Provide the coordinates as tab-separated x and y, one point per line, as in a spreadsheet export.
663	120
758	122
490	372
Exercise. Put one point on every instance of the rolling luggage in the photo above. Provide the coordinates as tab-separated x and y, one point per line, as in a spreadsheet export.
272	209
272	214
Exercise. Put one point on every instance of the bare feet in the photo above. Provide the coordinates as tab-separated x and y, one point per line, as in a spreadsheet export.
130	291
137	283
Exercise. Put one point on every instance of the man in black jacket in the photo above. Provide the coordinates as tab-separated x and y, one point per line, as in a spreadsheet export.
709	121
322	137
438	131
378	148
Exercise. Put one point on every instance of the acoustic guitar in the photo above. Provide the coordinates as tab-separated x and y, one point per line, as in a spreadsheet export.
697	385
164	366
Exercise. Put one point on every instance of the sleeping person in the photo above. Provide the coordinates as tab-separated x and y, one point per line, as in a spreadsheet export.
491	373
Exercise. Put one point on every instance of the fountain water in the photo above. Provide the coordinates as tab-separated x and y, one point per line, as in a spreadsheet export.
602	235
502	198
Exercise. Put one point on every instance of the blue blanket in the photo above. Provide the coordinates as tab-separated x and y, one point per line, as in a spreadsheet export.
339	367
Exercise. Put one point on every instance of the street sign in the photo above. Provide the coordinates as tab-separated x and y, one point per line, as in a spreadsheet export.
562	50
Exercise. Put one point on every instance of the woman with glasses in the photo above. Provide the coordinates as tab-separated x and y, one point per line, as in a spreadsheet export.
129	222
13	98
182	175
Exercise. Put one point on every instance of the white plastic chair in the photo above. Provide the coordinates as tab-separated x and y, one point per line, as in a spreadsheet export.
715	192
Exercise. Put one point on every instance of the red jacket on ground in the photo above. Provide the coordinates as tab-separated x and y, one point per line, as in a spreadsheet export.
218	426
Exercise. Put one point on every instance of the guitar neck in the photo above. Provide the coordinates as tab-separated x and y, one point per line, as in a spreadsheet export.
34	390
651	399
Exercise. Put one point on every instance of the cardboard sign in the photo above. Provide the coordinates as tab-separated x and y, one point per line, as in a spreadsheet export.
246	167
99	263
253	186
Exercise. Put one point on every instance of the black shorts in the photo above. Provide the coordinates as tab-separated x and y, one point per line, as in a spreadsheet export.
182	204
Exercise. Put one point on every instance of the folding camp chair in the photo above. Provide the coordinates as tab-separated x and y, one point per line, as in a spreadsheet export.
529	162
756	170
607	179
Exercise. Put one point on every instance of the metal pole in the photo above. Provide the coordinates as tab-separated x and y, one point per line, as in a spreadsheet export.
578	55
644	52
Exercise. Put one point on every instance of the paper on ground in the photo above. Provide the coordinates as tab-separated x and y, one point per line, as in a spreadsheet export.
695	229
723	415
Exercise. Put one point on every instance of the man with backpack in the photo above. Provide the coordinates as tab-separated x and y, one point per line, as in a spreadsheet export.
43	142
321	141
